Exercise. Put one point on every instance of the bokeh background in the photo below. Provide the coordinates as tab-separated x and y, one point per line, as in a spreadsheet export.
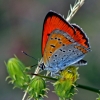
21	24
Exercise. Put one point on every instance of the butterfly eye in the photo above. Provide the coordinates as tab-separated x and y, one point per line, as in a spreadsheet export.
42	66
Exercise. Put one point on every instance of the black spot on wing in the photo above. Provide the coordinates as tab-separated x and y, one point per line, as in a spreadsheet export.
52	46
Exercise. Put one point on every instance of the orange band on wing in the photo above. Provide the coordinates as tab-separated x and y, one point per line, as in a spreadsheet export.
53	45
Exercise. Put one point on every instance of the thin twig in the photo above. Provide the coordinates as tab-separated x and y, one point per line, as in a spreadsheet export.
74	9
36	72
24	95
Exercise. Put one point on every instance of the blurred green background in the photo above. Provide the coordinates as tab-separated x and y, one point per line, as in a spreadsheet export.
21	24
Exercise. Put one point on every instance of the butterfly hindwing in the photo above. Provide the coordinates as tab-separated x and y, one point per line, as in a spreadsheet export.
61	51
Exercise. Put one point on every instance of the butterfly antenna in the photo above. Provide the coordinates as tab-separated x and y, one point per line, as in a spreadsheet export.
29	55
33	65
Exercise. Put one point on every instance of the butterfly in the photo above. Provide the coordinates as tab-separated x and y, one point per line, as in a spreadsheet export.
63	44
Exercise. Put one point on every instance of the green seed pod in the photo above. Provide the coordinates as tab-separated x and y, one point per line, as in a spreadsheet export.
37	88
64	87
17	73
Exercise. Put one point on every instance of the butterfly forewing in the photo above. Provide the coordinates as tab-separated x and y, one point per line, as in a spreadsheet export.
54	21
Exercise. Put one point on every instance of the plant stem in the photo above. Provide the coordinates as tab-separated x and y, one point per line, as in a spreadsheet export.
77	85
47	77
88	88
24	95
36	72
